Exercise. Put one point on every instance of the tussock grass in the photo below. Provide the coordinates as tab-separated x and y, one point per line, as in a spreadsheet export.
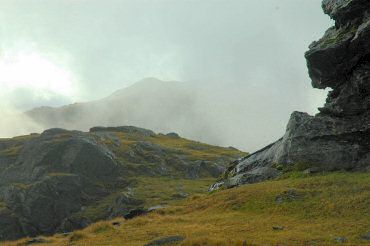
327	206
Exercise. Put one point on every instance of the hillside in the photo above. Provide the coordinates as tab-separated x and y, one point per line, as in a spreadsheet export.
320	209
64	180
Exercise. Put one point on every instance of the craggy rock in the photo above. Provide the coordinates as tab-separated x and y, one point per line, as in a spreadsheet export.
50	183
339	136
49	180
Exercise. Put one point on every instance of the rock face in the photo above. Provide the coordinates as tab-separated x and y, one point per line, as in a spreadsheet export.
61	180
48	179
339	136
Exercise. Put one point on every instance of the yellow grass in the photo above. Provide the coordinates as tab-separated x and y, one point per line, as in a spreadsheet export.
329	206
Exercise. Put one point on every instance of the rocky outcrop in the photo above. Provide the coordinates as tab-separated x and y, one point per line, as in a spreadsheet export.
61	180
49	179
339	136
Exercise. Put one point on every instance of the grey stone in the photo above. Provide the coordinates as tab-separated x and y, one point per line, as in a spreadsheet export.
116	223
173	135
134	213
35	240
340	239
279	199
254	175
367	236
166	240
56	175
216	186
153	208
180	195
278	228
313	170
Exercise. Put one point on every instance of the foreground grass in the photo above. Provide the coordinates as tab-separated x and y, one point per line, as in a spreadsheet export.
324	207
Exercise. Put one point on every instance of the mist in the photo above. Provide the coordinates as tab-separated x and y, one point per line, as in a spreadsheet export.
242	62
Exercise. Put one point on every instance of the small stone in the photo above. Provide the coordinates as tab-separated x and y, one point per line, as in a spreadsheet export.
35	240
65	234
116	223
153	208
291	193
134	213
166	240
279	199
278	228
312	170
367	236
340	239
173	135
180	195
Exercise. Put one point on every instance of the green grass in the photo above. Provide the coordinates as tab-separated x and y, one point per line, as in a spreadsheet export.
12	151
157	190
188	149
342	35
327	205
57	174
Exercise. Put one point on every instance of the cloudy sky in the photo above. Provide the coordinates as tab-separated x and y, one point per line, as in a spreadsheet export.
55	52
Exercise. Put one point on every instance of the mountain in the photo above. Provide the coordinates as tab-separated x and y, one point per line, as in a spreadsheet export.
150	103
61	180
338	138
222	115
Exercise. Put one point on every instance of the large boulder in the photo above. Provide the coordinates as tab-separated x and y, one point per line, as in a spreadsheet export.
338	138
47	181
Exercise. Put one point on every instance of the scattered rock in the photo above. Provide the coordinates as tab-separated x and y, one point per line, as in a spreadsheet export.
116	223
291	193
313	170
65	234
340	239
35	240
173	135
179	187
216	186
277	228
134	213
254	175
367	236
153	208
279	199
166	240
180	195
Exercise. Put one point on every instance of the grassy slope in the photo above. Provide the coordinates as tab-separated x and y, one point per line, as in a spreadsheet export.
329	205
152	190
